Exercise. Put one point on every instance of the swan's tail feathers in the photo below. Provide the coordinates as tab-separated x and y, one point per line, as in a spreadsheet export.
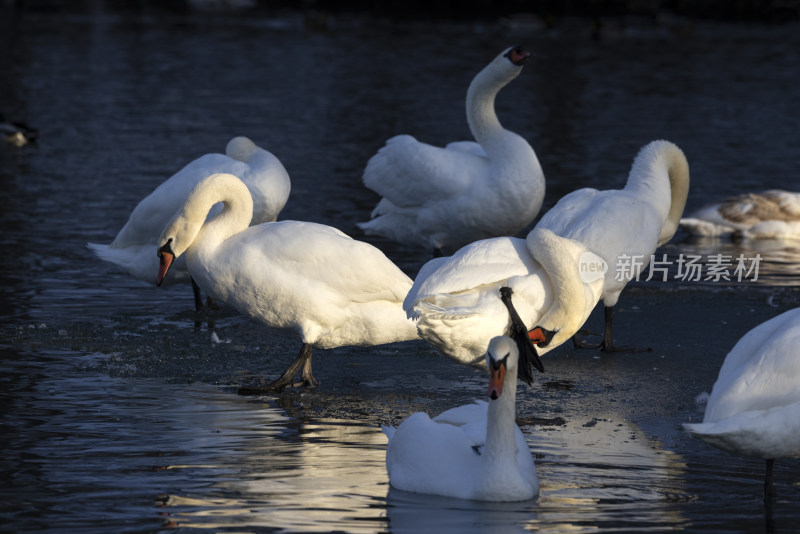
388	430
519	333
102	252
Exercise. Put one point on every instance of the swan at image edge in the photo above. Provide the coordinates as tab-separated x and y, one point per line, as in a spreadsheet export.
306	277
475	451
444	198
754	406
134	247
627	223
772	214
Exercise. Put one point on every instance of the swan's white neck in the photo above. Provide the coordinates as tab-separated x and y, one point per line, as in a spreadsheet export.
189	227
501	444
661	171
481	116
562	258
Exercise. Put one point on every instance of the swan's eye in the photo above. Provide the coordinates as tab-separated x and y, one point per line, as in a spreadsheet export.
166	247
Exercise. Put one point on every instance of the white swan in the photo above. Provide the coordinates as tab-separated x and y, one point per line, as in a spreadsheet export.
456	299
134	247
772	214
754	407
626	226
310	278
475	451
444	198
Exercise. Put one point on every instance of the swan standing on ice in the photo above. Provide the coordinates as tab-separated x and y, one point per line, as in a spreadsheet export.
626	225
475	451
773	214
134	247
444	198
455	298
754	407
313	279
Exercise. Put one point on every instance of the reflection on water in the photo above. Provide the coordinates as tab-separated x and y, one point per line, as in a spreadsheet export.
328	475
779	263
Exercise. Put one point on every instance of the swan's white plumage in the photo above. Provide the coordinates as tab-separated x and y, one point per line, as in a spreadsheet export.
456	303
444	198
772	214
627	223
474	451
313	279
754	407
134	247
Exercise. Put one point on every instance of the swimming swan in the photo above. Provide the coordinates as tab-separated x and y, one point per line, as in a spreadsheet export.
628	225
455	301
444	198
772	214
310	278
754	407
134	248
475	451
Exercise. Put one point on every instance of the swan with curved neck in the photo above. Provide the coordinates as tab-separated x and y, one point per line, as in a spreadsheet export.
629	223
475	451
310	278
133	247
444	198
456	299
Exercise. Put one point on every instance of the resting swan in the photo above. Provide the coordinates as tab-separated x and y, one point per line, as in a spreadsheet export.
772	214
444	198
754	407
475	451
310	278
134	248
455	299
623	226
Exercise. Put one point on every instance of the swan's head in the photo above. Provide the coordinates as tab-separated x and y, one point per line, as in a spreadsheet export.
502	358
516	55
240	148
170	246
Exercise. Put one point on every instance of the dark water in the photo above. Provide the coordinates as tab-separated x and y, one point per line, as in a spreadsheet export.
118	415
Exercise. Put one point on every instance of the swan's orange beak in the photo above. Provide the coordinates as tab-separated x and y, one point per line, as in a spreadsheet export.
497	376
166	260
536	336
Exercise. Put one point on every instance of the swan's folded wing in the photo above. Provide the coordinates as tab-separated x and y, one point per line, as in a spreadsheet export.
409	173
483	262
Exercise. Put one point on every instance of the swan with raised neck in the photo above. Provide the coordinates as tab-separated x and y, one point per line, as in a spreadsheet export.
475	451
448	197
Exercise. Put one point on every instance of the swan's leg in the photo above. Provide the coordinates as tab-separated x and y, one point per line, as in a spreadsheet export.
198	297
769	485
300	364
519	333
607	345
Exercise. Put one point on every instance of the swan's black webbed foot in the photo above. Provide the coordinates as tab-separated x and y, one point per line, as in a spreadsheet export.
301	364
